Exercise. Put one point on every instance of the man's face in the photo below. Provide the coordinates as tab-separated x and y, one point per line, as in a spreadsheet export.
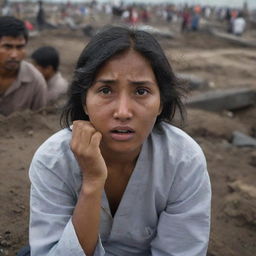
47	72
12	52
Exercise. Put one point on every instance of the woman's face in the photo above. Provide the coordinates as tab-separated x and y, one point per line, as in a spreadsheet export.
124	102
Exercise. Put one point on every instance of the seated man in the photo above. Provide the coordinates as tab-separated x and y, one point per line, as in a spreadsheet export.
21	85
46	60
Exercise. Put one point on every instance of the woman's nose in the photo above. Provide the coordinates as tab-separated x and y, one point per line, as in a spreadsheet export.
123	108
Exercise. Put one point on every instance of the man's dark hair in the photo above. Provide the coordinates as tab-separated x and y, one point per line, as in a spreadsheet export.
46	56
113	40
10	26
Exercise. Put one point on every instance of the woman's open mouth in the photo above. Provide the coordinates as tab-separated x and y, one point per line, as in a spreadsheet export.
122	134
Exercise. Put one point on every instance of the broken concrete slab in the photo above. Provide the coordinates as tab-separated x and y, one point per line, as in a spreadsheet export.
240	139
234	39
194	82
219	100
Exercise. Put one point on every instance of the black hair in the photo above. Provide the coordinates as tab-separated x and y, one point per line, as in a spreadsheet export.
46	56
113	40
11	26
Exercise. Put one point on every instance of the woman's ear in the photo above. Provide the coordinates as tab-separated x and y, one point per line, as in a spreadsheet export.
160	109
85	110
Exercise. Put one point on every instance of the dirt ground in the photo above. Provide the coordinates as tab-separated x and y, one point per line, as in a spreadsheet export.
232	169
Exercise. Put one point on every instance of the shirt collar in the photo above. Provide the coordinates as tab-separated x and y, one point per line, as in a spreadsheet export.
24	76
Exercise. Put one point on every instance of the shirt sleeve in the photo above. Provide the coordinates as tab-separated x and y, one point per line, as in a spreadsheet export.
52	201
183	228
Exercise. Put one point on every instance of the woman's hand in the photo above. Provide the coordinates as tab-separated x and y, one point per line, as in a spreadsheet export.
86	217
85	146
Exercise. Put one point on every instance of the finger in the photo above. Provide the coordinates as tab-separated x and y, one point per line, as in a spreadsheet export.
81	135
95	140
76	134
80	127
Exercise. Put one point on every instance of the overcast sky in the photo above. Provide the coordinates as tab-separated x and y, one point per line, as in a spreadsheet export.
235	3
230	3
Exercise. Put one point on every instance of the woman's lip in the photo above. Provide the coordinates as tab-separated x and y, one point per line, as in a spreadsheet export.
122	128
122	136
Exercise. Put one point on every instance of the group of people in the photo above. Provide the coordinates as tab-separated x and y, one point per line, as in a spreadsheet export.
24	85
119	178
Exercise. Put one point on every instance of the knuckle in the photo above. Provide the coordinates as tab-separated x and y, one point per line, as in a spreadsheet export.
73	147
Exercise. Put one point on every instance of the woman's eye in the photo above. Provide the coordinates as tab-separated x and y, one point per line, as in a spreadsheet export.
105	90
141	91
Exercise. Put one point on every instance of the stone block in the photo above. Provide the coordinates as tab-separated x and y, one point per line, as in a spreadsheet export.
220	100
241	140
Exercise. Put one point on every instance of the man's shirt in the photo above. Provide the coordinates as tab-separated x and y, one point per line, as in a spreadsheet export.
57	86
28	91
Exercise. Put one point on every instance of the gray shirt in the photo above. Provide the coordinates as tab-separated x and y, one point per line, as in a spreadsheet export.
28	91
164	211
57	86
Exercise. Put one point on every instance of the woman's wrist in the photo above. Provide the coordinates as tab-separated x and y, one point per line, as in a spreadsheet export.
92	186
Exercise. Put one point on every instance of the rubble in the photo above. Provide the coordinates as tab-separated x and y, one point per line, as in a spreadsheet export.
219	100
241	202
233	39
240	139
194	82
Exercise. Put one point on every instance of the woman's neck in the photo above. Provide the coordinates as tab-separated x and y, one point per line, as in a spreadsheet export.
120	161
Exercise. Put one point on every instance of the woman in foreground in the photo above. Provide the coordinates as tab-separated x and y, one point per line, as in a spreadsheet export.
120	179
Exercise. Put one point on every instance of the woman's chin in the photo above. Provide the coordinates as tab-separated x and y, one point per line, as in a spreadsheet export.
120	148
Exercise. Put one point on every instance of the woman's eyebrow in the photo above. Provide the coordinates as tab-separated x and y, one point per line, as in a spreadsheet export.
133	82
142	82
106	81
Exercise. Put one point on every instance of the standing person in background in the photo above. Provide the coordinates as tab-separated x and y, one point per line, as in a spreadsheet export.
40	17
46	59
186	17
195	21
22	86
239	25
120	179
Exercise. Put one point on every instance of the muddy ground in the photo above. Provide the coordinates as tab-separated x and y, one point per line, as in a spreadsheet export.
232	169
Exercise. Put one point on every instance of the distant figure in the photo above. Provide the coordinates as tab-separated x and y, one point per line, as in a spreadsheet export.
169	15
195	18
46	60
40	18
134	16
195	22
21	85
185	20
144	16
239	25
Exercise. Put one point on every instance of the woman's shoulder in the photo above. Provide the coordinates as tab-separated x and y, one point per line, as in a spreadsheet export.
55	154
173	139
54	162
56	145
